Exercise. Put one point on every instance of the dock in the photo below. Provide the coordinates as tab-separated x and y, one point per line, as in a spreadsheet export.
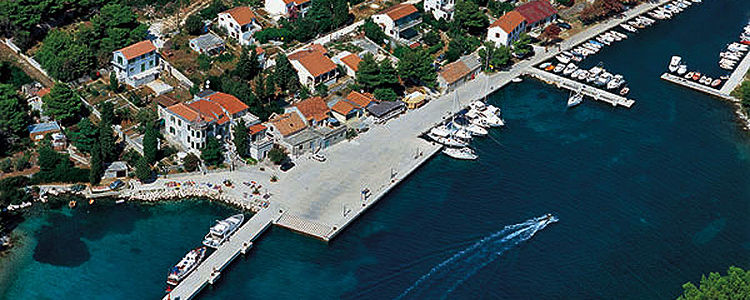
691	84
210	269
738	75
587	90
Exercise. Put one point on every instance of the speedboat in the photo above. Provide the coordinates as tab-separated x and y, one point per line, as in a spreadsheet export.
460	153
545	65
562	58
559	68
708	81
616	82
575	99
583	75
448	141
716	82
441	131
546	220
689	75
628	27
220	232
490	116
624	91
603	79
188	263
674	64
682	70
696	75
702	79
569	69
575	73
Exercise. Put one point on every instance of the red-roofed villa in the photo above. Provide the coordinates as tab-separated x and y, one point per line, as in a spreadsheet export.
136	64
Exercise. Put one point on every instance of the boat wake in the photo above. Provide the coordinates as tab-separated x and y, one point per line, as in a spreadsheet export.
444	278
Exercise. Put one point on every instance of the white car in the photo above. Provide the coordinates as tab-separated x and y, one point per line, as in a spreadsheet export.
319	157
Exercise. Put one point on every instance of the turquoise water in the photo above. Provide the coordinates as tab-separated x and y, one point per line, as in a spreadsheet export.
647	199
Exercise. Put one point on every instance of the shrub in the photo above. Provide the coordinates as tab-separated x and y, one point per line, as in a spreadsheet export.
385	95
191	162
277	155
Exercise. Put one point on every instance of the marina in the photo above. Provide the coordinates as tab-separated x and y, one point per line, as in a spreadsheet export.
577	87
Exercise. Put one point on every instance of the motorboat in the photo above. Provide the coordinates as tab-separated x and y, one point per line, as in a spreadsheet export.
575	73
546	220
464	153
186	265
682	70
570	68
624	91
490	115
628	27
441	131
447	140
616	82
708	81
602	40
549	68
516	79
620	34
702	79
559	68
562	58
476	118
468	126
603	79
583	75
220	232
575	99
674	64
545	65
696	75
716	82
689	75
596	44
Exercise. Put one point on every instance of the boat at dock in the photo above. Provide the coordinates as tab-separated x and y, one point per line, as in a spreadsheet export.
220	232
186	265
575	99
447	140
682	70
464	153
674	64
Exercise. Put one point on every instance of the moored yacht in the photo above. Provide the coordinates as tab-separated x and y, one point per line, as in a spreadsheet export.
674	64
460	153
447	140
682	70
575	99
220	232
188	263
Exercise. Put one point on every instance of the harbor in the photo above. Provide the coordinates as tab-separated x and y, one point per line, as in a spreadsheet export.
577	87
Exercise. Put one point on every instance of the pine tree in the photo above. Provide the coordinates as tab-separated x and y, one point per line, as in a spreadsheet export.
150	144
86	136
63	103
212	153
285	75
142	169
107	142
368	73
113	84
96	170
241	139
388	77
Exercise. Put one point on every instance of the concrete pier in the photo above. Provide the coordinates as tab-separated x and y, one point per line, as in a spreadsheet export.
692	84
738	75
210	269
587	90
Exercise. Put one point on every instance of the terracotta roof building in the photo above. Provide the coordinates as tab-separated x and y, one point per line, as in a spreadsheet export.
456	73
136	64
399	11
243	15
314	110
287	124
398	22
137	49
362	100
240	23
313	67
537	12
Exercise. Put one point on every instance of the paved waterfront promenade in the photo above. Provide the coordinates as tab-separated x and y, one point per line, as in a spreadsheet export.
738	75
227	252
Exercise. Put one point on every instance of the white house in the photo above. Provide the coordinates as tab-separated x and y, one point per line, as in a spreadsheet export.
313	67
240	24
287	8
537	13
506	30
349	61
136	64
210	114
398	22
440	9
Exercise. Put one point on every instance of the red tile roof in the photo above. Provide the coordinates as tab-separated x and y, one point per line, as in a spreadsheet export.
257	128
242	14
360	99
210	111
351	60
137	49
296	2
184	111
343	107
319	48
454	71
536	11
314	61
399	11
509	21
43	92
288	123
228	102
313	109
165	100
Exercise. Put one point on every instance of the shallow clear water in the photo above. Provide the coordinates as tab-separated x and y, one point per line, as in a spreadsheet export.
647	199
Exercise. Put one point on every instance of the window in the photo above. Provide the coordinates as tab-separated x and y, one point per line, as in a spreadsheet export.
179	123
151	63
172	118
143	67
171	130
497	34
119	59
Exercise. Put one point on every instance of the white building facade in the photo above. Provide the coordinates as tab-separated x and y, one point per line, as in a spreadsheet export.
399	21
440	9
136	64
240	24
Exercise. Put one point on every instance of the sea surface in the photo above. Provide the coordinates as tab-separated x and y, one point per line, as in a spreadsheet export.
647	199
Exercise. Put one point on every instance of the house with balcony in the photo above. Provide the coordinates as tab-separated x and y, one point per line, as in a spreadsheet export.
353	106
506	29
398	22
440	9
259	141
291	9
313	67
209	114
137	64
240	24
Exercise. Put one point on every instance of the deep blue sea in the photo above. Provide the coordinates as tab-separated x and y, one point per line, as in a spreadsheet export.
647	199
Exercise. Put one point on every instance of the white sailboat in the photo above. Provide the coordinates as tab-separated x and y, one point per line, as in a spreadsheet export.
575	99
461	153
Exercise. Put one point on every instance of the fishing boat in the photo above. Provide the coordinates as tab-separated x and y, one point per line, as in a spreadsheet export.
674	64
545	65
570	68
559	68
624	91
575	99
220	232
682	70
448	141
696	75
464	153
689	75
716	82
188	263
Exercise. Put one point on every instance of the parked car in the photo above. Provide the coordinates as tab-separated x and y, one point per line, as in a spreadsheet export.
116	184
319	157
286	166
564	25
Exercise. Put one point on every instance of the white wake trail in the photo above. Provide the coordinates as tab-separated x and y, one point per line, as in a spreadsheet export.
444	278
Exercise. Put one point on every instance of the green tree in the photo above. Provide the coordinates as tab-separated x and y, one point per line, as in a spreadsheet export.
106	135
191	162
469	16
498	56
388	77
212	153
285	75
340	13
374	32
277	155
194	24
499	8
522	46
416	67
368	73
63	103
86	137
241	139
113	84
63	57
743	93
96	169
14	117
734	285
385	95
143	169
431	38
321	90
150	144
248	66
